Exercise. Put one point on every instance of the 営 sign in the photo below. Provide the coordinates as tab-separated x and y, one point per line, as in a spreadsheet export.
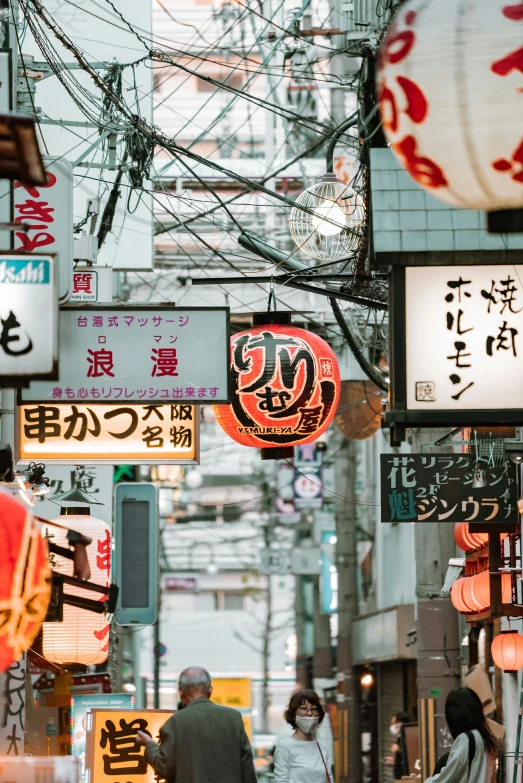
112	753
123	354
112	434
457	345
438	488
28	313
48	210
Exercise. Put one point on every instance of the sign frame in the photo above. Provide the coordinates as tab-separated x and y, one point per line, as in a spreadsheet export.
137	491
114	715
23	379
399	417
85	459
88	309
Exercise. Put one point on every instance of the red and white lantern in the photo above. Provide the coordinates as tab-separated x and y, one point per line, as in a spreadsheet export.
450	89
25	580
285	387
82	637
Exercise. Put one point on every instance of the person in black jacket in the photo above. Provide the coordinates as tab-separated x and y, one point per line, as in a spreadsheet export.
396	759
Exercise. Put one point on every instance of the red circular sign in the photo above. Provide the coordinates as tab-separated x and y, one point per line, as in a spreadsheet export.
285	387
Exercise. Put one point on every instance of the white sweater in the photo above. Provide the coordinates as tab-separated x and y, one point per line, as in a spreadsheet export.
296	761
457	767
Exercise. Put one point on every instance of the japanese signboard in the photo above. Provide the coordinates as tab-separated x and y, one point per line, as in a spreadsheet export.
464	327
12	708
114	434
125	354
439	488
112	754
96	480
28	313
232	692
48	210
457	338
81	705
308	488
235	692
85	286
59	769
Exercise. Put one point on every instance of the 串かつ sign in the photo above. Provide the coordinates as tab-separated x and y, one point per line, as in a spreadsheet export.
438	488
28	313
123	354
115	434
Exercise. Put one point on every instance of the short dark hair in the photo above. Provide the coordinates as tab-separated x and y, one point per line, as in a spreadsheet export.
296	700
464	712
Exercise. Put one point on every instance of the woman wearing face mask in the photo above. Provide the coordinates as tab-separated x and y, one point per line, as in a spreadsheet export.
396	760
301	758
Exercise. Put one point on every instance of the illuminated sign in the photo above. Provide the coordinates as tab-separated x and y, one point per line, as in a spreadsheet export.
232	692
112	753
114	434
457	343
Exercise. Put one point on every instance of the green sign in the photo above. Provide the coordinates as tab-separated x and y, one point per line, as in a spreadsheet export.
435	693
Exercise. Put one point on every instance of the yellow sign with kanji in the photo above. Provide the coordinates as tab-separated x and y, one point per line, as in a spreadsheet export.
232	692
112	753
150	433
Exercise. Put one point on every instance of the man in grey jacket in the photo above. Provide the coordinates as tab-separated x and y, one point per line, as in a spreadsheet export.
203	743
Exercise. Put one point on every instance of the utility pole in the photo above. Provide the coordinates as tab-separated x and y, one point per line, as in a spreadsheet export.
438	670
349	757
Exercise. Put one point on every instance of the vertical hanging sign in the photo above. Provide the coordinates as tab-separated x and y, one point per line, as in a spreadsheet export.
48	212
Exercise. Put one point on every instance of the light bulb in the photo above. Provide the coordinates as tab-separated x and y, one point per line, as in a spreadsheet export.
328	211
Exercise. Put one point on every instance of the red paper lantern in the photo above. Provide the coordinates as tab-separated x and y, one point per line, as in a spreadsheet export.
82	637
472	593
456	595
507	651
468	541
285	387
441	123
25	580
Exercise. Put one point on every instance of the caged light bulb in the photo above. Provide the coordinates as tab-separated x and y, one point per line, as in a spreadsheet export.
328	211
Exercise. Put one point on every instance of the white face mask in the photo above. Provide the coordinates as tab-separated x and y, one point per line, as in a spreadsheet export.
395	729
307	725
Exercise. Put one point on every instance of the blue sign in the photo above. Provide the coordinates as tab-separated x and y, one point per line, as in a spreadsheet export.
329	574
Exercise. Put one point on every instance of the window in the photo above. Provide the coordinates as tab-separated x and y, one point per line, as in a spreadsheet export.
228	602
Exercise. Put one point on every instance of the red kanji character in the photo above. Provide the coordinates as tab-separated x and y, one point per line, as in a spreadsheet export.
103	558
505	165
51	180
514	12
326	368
423	170
38	210
82	282
417	105
101	363
512	62
398	44
31	243
165	362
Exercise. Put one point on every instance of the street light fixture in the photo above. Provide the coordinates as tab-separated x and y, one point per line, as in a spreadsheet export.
326	221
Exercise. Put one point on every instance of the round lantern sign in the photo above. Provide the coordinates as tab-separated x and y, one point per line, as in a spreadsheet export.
25	580
285	386
451	98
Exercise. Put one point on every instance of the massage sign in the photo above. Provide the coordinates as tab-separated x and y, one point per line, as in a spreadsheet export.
285	387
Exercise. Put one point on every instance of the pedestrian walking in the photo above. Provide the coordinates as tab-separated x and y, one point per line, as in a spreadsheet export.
396	760
472	757
204	742
301	758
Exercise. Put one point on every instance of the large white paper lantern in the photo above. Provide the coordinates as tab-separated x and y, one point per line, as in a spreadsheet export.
450	88
82	637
